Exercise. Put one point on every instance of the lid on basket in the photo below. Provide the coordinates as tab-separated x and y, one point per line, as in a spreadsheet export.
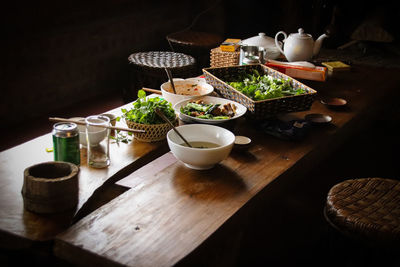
267	42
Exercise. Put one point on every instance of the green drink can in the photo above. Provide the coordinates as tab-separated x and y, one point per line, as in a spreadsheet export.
66	142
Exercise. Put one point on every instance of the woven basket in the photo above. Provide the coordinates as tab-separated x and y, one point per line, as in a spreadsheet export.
219	58
367	209
154	132
264	108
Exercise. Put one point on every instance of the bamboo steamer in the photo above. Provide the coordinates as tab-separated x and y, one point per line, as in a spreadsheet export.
51	187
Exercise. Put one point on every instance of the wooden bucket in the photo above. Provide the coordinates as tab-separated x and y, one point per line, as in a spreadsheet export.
51	187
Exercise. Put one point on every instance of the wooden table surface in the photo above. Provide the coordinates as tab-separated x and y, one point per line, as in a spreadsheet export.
166	217
20	228
163	219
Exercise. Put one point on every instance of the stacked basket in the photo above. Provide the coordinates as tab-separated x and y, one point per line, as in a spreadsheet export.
219	58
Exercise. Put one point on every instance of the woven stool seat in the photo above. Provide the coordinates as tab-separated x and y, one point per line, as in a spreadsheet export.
367	209
193	38
196	44
161	59
147	68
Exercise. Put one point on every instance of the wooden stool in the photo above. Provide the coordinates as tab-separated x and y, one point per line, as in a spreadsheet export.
366	209
367	214
195	43
148	69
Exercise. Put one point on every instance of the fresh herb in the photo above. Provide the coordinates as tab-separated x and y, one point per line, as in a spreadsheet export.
123	137
143	110
261	87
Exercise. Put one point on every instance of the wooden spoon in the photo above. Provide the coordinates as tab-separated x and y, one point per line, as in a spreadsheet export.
154	91
170	79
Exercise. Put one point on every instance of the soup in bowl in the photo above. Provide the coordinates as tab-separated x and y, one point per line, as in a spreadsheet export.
185	89
210	145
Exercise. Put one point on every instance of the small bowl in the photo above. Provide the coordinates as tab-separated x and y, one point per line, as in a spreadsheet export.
242	142
201	158
112	117
96	133
334	102
316	118
185	89
82	130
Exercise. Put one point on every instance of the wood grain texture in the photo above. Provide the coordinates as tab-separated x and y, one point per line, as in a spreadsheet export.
50	187
165	218
18	227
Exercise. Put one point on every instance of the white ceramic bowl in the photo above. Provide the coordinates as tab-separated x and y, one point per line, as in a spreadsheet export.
82	131
201	158
95	133
240	109
185	89
112	117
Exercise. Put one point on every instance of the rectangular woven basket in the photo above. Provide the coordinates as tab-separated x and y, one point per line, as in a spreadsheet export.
219	58
218	78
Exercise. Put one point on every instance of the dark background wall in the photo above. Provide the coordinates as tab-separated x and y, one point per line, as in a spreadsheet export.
55	54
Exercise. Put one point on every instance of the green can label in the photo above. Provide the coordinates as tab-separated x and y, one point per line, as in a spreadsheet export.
66	143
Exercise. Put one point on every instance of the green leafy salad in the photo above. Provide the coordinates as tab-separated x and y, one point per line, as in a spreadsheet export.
261	87
143	110
210	111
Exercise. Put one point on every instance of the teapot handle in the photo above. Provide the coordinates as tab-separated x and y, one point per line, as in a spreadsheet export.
277	42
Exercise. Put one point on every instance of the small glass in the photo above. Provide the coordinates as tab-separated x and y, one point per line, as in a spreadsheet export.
98	152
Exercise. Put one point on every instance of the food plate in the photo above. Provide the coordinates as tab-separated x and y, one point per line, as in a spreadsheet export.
240	109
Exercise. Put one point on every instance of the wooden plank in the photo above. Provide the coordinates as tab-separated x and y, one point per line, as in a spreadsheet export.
18	227
148	171
165	219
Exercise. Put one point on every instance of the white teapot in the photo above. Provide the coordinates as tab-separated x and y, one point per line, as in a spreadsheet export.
265	42
299	46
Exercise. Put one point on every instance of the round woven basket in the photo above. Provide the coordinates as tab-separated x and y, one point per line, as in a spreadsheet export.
154	132
51	187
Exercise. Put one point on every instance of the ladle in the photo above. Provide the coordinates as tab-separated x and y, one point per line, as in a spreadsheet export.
159	113
170	79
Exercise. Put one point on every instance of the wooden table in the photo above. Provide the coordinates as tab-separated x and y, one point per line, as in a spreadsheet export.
177	214
21	228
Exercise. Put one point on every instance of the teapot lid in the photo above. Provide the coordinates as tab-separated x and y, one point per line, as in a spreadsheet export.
260	40
301	34
265	41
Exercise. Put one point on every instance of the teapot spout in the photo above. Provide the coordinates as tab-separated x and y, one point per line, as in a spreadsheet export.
318	43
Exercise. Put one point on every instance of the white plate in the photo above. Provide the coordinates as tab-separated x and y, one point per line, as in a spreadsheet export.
240	109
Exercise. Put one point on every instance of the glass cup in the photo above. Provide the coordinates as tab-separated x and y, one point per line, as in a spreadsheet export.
98	152
113	120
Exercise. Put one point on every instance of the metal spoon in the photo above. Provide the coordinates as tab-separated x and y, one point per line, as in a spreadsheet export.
159	113
170	79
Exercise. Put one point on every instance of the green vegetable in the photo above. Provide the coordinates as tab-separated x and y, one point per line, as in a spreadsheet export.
124	137
198	107
211	117
202	111
143	110
263	87
221	118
